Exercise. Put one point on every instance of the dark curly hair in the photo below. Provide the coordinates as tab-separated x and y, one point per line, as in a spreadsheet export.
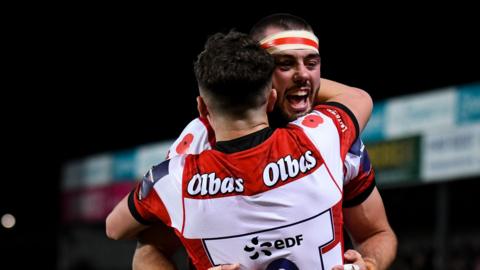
234	72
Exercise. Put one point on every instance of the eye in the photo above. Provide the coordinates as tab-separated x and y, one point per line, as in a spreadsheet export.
284	64
312	63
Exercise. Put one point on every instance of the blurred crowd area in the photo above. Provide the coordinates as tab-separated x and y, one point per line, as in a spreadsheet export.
417	253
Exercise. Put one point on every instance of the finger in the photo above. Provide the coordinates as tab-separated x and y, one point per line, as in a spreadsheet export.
231	266
352	255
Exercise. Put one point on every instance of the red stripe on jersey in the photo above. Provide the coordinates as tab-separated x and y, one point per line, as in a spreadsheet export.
337	216
183	209
280	156
333	178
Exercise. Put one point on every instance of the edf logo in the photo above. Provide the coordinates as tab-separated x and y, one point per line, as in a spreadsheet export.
265	247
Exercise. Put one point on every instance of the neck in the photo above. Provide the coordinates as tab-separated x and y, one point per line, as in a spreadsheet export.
227	129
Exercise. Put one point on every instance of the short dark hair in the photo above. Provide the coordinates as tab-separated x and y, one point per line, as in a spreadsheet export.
283	21
234	72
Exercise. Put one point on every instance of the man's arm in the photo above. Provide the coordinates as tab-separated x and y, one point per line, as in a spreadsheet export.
155	247
121	224
371	233
147	257
157	244
357	100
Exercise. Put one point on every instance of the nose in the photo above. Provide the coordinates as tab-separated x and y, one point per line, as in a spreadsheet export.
301	74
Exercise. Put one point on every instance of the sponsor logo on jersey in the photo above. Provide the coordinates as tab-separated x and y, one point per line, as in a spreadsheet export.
288	167
209	184
339	119
255	248
283	169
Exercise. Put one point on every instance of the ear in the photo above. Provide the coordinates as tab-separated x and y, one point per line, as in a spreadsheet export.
202	107
272	99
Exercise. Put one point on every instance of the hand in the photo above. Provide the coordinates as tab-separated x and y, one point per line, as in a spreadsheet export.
226	267
352	257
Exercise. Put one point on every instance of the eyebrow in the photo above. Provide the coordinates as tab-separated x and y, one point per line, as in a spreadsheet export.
311	55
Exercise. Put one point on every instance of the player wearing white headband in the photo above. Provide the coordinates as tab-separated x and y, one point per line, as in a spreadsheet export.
290	40
297	81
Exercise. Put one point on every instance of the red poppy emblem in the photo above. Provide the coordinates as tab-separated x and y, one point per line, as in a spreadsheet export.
312	121
183	146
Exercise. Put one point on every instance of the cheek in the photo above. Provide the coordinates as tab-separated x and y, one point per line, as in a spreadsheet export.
315	93
280	81
316	79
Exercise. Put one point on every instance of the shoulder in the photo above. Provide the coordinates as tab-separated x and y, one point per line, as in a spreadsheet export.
196	137
343	117
170	170
153	175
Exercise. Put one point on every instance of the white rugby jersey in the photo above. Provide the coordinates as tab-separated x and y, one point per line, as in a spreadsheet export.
277	205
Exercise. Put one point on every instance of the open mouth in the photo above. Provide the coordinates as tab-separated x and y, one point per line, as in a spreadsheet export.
298	100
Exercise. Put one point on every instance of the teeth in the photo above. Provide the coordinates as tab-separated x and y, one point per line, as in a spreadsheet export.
299	93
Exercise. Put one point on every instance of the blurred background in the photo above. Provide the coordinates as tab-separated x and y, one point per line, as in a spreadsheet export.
94	94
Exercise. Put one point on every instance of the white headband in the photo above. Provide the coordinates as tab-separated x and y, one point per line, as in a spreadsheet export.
290	40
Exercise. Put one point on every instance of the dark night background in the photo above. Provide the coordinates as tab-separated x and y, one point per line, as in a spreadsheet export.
78	80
